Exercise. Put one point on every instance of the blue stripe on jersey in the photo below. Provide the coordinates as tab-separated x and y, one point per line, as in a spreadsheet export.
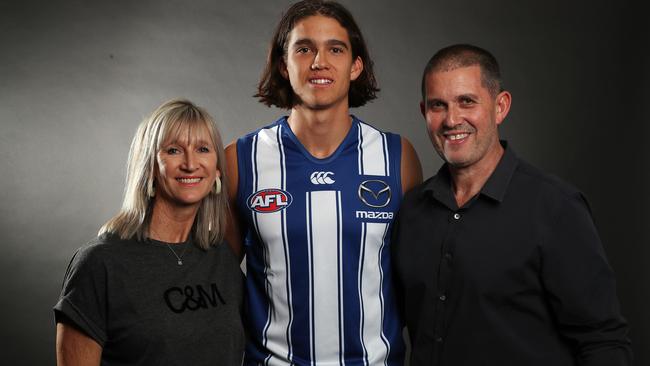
381	293
386	157
318	278
361	259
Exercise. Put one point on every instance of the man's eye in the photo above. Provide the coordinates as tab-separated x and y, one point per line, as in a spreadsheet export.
467	101
337	50
302	50
436	105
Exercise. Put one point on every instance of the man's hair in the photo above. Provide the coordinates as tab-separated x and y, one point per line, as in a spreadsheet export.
464	55
274	89
171	119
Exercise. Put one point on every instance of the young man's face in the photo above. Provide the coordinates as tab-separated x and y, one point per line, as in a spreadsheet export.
462	116
319	63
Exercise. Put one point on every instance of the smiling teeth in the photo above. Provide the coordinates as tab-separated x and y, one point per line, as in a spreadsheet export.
458	137
188	180
320	81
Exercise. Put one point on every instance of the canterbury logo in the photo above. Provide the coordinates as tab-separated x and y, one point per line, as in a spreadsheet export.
321	178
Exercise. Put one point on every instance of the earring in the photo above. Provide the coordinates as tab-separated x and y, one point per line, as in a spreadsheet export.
217	186
152	191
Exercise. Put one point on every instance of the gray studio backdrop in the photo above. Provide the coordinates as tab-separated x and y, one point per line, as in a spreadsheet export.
76	77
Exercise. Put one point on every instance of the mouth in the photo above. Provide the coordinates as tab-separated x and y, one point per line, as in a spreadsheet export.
189	180
321	81
457	136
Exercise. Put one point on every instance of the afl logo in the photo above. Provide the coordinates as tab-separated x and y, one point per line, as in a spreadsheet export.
269	200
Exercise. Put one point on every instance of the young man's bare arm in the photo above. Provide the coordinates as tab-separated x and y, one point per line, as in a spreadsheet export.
75	348
411	168
233	232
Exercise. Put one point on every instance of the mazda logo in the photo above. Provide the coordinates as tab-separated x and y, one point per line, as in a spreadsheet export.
374	193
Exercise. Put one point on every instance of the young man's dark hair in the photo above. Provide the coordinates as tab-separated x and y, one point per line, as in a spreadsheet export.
463	55
275	89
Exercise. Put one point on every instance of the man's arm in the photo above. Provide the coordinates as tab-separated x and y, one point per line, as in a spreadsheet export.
233	231
411	168
75	348
581	287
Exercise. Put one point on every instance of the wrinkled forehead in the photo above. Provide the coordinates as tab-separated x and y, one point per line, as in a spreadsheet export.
189	132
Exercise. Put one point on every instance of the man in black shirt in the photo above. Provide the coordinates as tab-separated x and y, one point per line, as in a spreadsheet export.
496	262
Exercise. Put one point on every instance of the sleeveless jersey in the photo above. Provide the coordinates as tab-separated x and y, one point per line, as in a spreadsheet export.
317	233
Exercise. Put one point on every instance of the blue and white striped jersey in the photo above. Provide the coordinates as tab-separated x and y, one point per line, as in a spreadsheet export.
317	237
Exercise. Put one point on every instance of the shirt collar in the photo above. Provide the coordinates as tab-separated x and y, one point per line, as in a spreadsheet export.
496	186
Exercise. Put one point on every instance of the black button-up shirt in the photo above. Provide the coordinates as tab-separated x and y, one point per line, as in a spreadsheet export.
517	276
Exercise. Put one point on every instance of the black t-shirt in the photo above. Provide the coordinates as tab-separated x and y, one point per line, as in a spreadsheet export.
143	308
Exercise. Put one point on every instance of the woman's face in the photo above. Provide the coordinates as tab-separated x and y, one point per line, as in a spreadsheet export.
187	167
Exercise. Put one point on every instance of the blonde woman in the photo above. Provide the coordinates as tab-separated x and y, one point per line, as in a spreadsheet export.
159	286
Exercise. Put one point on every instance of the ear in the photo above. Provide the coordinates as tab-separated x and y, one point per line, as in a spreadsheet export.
423	109
503	101
282	67
357	68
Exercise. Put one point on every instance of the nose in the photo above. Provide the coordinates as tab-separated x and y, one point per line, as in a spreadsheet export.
453	117
189	162
320	61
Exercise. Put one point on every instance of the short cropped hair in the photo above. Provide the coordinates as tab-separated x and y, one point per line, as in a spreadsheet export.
275	89
171	119
464	55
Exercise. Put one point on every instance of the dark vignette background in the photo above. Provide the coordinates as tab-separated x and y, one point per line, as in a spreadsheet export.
76	77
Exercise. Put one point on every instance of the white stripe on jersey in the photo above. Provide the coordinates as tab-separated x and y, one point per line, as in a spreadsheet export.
326	261
310	257
268	156
370	288
373	154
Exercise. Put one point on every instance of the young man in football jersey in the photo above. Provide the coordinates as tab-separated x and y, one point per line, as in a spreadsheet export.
316	193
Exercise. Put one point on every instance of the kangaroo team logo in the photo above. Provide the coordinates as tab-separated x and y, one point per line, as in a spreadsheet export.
269	200
321	178
374	193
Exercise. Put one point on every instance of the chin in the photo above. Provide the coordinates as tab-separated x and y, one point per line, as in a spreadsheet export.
189	201
457	162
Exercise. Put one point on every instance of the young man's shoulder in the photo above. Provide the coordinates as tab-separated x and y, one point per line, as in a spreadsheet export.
257	131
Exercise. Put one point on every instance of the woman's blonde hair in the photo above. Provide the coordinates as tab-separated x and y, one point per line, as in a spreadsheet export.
169	120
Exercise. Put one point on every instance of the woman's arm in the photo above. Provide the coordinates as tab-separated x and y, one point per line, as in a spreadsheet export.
75	348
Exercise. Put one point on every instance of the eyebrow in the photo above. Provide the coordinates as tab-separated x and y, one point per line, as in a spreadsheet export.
467	95
183	141
329	42
431	101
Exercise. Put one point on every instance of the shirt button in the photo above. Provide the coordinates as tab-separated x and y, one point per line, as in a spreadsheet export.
442	297
439	339
456	216
448	256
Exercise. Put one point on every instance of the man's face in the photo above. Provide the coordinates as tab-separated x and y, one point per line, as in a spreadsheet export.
319	62
462	116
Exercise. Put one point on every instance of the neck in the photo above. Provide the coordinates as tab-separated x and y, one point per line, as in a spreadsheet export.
468	181
320	131
171	224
